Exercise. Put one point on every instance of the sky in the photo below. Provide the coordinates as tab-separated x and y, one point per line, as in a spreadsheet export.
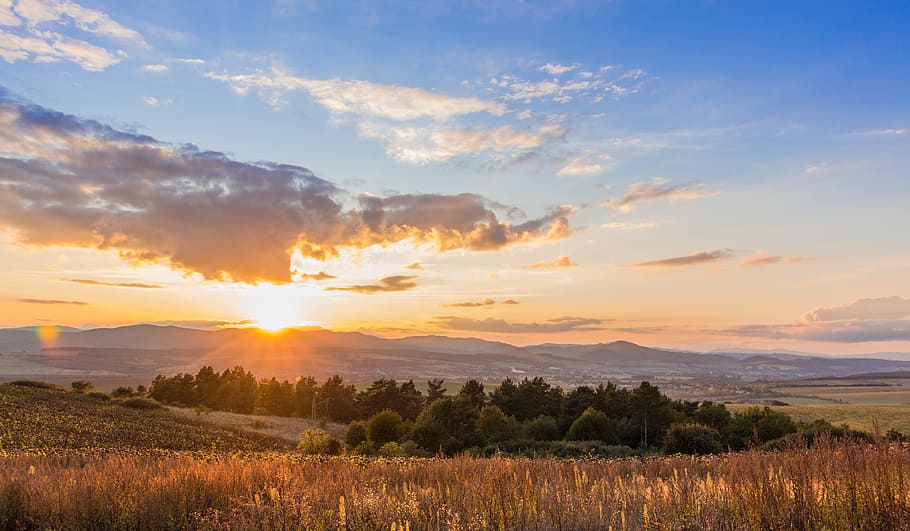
697	175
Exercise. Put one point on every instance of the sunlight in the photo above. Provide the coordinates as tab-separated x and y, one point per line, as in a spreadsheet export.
275	308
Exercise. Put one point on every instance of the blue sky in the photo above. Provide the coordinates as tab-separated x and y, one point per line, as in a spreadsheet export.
681	173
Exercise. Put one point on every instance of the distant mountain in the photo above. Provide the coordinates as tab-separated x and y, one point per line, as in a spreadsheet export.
137	353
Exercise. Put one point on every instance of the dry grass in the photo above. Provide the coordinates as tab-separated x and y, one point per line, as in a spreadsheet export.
832	486
287	428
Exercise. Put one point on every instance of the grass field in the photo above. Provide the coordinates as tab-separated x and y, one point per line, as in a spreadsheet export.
857	416
830	486
287	428
38	418
878	395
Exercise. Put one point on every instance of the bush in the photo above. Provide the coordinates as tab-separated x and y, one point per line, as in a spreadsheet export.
385	426
318	442
356	434
693	439
363	448
593	425
756	426
559	449
34	383
543	428
82	386
122	392
496	426
391	449
140	403
98	395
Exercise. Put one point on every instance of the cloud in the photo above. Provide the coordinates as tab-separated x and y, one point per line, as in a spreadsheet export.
486	303
424	144
584	165
557	69
52	301
658	188
156	68
386	284
191	61
31	40
151	101
763	258
90	282
698	258
415	266
863	320
318	277
883	132
559	263
622	225
66	181
360	97
561	324
510	301
880	308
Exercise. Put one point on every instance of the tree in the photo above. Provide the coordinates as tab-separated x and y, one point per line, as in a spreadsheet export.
593	425
305	390
82	386
712	414
435	389
652	412
237	391
318	442
693	439
276	398
336	400
472	393
208	383
384	427
448	424
542	428
177	390
122	392
356	434
496	426
575	403
756	426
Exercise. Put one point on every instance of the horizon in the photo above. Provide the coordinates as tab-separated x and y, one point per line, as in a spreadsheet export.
697	177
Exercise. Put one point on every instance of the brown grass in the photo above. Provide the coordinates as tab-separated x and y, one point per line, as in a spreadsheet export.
833	486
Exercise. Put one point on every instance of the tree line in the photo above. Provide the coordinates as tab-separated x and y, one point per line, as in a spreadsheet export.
515	415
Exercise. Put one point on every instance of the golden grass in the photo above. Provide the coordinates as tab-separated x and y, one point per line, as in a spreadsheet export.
831	486
287	428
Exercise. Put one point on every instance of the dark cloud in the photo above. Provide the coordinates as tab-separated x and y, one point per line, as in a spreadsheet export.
386	284
657	189
559	263
66	181
90	282
52	301
560	324
701	257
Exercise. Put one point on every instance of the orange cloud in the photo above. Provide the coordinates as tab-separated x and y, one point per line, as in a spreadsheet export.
386	284
559	263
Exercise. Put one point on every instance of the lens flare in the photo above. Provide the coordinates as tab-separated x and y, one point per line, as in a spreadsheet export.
47	335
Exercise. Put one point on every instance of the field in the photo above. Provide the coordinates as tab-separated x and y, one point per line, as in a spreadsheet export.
830	486
857	416
39	418
286	428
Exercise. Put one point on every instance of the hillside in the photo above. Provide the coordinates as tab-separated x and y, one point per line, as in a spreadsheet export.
34	418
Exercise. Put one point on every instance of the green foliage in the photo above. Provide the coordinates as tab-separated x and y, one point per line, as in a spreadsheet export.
473	394
318	442
387	394
593	425
356	434
496	426
391	449
693	439
435	389
137	402
448	424
122	392
82	386
528	399
558	449
711	414
385	426
756	426
652	412
543	428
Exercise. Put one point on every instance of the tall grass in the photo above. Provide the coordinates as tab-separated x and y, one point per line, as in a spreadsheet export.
832	485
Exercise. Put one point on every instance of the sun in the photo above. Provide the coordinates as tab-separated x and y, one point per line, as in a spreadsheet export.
275	308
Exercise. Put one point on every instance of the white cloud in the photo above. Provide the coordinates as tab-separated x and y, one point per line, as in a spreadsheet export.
658	188
880	308
557	69
34	43
883	132
190	61
584	165
361	97
151	101
155	68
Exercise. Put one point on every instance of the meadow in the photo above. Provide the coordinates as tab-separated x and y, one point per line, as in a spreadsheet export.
833	485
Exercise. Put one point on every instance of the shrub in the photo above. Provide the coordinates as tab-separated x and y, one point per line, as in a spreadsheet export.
140	403
391	449
318	442
693	439
82	386
122	392
496	426
593	425
34	383
385	426
363	448
756	426
543	428
98	395
356	434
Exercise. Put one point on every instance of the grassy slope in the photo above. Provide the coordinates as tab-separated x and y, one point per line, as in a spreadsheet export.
287	428
36	418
